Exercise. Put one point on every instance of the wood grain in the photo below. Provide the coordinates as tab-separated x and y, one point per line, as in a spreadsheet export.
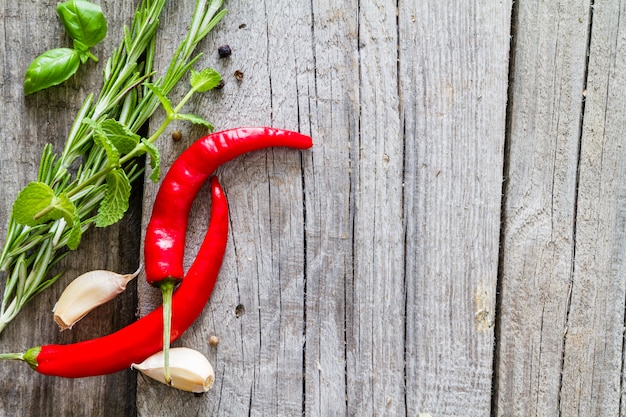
594	343
344	317
361	276
545	109
453	78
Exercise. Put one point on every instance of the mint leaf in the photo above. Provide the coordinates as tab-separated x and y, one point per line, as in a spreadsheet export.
155	160
113	155
37	204
205	80
197	120
62	207
120	136
34	198
115	202
160	94
75	234
51	68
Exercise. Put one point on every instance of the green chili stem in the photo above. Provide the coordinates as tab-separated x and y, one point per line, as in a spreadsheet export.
12	356
167	289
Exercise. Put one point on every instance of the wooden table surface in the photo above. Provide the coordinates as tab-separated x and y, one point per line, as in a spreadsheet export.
453	245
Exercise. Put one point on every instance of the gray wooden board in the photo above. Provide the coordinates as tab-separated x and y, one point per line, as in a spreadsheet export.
594	337
561	321
546	93
453	78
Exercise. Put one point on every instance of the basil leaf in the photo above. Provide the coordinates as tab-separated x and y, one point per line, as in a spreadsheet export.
50	68
84	21
83	51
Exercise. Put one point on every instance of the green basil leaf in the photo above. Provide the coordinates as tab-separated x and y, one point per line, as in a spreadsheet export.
83	21
83	51
205	80
50	68
81	47
115	202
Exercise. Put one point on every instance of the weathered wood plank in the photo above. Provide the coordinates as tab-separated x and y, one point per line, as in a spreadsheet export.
545	109
28	29
453	82
594	341
375	297
257	307
333	88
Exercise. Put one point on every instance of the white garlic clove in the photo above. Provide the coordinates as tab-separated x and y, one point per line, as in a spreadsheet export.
190	370
87	292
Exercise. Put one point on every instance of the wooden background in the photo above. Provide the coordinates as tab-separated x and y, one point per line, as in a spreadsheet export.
454	244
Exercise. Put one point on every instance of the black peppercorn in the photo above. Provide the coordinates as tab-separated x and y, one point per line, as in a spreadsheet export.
224	51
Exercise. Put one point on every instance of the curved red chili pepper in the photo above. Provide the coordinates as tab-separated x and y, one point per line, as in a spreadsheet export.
137	341
165	235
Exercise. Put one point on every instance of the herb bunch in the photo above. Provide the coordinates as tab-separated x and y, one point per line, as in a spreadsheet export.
89	182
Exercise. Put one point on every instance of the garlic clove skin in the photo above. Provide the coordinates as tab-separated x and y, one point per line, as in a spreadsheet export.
87	292
190	370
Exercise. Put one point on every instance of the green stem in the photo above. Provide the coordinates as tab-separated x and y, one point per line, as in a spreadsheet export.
12	356
184	100
167	289
92	56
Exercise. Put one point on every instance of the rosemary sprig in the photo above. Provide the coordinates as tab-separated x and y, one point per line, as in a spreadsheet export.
50	214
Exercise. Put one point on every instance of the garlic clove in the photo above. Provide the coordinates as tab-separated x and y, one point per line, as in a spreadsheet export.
87	292
190	370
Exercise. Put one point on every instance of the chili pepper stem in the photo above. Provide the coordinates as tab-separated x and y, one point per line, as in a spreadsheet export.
30	356
12	356
167	289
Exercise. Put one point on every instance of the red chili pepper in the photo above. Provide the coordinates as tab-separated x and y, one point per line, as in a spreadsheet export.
165	236
139	340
